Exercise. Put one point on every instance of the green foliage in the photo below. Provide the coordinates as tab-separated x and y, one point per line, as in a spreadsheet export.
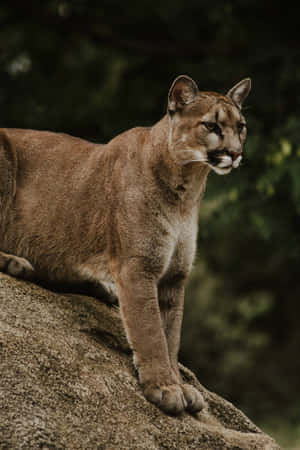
222	326
94	69
284	432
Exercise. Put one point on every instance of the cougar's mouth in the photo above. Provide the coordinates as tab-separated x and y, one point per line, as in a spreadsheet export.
222	161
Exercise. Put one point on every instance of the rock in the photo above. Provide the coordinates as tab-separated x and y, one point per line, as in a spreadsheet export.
67	382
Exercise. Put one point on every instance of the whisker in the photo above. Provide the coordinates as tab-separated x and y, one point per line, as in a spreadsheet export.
194	160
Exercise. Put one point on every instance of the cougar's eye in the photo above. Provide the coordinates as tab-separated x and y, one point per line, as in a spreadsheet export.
240	126
212	127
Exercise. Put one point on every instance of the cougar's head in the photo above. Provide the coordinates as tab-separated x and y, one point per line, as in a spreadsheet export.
206	127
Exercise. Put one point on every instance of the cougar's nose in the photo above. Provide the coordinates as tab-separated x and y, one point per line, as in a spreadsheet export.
234	155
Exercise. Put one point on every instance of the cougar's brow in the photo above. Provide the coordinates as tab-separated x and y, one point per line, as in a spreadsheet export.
205	114
231	117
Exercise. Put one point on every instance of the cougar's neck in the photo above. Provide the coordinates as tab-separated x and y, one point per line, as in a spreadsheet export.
179	182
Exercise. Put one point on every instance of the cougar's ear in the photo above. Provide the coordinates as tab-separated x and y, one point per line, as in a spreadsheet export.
182	92
240	92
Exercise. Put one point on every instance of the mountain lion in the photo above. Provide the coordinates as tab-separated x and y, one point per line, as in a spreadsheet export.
122	218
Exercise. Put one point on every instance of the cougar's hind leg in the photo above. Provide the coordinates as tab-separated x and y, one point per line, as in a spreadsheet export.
11	264
8	170
16	266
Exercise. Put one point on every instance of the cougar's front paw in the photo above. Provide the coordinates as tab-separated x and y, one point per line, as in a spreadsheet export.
169	398
193	398
20	268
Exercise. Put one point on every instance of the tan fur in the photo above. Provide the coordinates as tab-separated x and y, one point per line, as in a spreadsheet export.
122	217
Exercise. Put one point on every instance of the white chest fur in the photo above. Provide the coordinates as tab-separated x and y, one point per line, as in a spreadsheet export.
180	246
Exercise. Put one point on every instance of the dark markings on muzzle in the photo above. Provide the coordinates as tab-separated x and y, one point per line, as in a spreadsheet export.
214	156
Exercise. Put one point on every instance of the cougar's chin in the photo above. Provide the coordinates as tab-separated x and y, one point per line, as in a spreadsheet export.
221	164
221	170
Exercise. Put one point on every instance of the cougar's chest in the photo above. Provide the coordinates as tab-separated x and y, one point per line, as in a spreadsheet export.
181	246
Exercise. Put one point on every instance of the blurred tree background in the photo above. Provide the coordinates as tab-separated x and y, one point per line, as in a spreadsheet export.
94	69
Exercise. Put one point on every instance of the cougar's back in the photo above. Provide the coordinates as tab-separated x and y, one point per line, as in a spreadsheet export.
45	176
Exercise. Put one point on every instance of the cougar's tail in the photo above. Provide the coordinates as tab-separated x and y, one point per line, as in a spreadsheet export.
8	170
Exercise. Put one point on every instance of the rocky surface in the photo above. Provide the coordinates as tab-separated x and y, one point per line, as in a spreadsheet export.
67	382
